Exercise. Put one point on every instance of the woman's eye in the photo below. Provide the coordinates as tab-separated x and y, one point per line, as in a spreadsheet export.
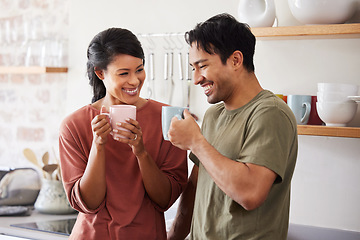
140	70
123	74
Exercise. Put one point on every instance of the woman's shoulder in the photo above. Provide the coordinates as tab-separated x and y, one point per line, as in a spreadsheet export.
80	116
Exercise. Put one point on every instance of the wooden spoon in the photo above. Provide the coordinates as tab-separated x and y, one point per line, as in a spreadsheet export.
45	158
30	155
50	168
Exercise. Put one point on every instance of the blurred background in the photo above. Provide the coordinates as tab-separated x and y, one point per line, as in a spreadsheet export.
56	33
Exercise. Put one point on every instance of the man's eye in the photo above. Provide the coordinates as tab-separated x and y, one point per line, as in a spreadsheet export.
202	66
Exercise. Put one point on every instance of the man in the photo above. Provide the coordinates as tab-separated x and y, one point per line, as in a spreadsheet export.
245	152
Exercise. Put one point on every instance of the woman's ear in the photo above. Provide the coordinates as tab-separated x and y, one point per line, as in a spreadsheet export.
99	73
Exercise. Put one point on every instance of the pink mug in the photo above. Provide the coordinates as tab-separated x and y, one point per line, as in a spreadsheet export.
119	114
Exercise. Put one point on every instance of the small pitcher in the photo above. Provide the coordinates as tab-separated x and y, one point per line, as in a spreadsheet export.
52	198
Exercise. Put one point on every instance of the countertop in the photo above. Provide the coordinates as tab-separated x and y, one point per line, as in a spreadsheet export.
7	232
22	233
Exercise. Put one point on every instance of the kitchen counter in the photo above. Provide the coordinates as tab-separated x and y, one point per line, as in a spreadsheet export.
22	233
303	232
296	231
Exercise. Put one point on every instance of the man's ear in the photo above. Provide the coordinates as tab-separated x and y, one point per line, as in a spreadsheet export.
237	59
99	73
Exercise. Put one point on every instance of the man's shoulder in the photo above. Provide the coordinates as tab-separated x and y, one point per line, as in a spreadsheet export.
215	109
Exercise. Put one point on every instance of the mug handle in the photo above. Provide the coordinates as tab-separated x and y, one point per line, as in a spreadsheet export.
307	112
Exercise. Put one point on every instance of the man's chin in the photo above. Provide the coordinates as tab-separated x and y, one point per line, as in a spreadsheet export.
212	100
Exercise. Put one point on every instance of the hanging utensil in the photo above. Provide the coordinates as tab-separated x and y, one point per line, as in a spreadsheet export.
188	79
166	74
148	79
181	77
152	72
171	79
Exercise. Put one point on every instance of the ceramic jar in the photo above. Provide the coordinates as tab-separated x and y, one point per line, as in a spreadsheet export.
52	198
322	11
257	13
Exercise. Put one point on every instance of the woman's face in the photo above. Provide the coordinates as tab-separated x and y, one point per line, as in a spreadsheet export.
123	79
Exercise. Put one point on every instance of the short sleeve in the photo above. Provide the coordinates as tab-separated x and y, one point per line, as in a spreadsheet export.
269	137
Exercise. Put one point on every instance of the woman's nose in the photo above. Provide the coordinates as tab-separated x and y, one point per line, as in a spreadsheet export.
134	79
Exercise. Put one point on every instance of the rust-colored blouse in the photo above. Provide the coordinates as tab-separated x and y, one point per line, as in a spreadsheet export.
127	212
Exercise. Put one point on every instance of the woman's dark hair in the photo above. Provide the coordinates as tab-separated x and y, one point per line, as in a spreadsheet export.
102	50
222	35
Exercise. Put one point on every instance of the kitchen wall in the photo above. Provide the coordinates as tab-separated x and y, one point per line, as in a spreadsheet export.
325	188
32	106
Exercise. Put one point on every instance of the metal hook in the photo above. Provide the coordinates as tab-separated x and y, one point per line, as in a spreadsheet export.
168	47
152	45
173	44
179	41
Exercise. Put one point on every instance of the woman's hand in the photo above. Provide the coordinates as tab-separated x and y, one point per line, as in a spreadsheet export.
100	127
133	137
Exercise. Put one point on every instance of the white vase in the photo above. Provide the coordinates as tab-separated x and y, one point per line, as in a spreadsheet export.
52	198
322	11
257	13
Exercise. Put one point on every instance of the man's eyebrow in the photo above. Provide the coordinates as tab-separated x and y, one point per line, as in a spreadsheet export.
199	61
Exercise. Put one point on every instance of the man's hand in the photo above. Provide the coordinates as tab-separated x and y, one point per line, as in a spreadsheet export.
183	133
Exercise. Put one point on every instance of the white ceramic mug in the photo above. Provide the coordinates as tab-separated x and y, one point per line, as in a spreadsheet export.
167	113
119	114
301	107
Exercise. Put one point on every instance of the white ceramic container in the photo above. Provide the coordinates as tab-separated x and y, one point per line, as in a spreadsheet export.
344	88
52	198
328	96
257	13
322	11
336	114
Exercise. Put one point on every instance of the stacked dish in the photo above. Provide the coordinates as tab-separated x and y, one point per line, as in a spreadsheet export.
333	105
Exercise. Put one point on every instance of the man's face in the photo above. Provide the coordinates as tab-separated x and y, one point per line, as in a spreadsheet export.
211	74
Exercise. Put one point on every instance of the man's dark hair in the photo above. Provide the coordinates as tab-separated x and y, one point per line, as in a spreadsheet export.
222	35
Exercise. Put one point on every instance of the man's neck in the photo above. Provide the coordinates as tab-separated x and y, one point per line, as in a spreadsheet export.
245	91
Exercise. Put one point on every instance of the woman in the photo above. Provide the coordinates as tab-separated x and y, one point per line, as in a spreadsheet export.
121	187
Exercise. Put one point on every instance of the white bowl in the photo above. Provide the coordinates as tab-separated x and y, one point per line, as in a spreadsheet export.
336	114
344	88
328	96
322	11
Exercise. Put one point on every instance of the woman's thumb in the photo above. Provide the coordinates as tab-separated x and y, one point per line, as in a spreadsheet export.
103	109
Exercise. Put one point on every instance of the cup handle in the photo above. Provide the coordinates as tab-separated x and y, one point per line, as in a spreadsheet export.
307	112
178	116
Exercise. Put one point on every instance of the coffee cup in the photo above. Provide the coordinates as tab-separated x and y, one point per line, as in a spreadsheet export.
301	107
167	113
119	114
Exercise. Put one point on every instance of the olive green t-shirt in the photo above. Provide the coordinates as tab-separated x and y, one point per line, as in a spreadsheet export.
262	132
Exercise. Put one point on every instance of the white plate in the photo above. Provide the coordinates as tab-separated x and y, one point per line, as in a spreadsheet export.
355	98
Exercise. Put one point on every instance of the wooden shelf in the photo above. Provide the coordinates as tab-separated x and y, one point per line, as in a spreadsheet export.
32	70
350	132
328	31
